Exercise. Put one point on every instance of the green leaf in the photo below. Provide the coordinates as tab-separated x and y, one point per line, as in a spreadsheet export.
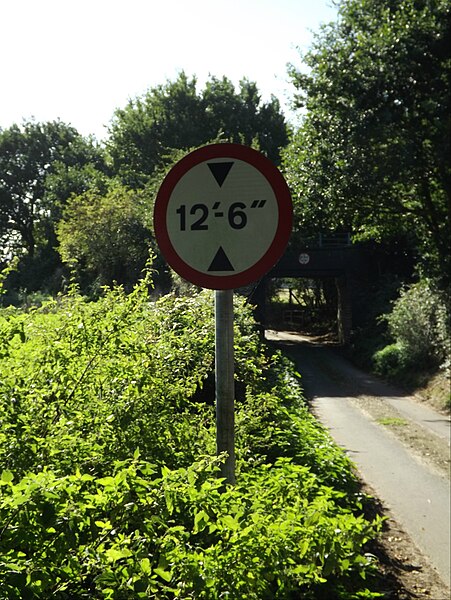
103	524
201	520
107	481
114	554
230	522
7	477
165	471
145	566
169	501
166	575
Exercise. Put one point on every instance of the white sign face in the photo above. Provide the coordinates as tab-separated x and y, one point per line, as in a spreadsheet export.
304	258
222	217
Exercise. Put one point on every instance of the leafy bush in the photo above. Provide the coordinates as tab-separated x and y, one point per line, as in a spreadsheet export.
142	533
419	320
391	360
84	514
102	235
419	323
278	424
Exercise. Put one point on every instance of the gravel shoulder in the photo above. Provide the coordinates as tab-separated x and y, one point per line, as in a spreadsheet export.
427	447
333	384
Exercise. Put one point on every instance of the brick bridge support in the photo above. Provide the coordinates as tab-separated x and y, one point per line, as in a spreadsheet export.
344	309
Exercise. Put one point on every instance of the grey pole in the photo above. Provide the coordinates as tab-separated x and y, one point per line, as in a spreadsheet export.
225	385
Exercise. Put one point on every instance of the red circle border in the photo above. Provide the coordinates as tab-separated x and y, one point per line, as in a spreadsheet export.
283	232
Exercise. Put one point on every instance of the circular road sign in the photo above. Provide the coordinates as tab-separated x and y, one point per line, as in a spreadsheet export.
223	216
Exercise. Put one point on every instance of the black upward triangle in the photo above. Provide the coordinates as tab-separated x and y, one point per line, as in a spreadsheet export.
221	262
220	171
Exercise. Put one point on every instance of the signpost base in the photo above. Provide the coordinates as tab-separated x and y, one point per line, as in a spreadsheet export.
225	384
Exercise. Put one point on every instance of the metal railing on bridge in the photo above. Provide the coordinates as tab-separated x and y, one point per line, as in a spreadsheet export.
326	240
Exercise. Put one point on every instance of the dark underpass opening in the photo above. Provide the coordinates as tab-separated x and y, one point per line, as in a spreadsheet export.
304	305
316	288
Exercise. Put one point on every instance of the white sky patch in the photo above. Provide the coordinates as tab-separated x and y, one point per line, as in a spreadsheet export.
79	60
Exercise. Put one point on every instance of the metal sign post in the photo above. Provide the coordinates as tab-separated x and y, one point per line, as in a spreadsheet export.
225	385
222	218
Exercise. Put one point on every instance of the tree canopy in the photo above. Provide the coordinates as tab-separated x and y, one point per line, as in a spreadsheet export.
52	178
41	164
176	116
103	236
372	155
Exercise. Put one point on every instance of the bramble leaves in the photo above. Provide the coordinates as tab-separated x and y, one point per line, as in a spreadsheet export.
109	485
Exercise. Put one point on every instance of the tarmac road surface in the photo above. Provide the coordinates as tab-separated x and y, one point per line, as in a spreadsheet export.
417	495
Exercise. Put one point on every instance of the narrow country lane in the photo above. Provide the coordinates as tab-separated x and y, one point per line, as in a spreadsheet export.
406	464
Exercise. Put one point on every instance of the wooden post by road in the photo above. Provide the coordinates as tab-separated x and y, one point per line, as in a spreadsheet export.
225	385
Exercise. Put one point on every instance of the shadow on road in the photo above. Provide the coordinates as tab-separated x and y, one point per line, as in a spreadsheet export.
324	370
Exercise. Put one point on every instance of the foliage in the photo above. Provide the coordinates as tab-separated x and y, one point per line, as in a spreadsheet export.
371	156
86	514
370	331
176	116
104	236
5	272
419	322
98	383
145	533
31	155
391	361
41	165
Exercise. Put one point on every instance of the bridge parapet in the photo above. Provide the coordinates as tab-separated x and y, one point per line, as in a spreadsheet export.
325	240
320	262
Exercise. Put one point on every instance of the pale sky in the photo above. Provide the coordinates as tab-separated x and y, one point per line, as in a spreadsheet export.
79	60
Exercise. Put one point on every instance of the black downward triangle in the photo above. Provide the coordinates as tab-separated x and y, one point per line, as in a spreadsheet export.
220	171
221	262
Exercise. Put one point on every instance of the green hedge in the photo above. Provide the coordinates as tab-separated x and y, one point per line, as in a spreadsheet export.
109	484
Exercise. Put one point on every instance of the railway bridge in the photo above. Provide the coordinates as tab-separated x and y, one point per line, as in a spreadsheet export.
327	257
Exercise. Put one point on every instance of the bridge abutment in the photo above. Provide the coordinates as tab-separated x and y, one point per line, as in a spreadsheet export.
344	310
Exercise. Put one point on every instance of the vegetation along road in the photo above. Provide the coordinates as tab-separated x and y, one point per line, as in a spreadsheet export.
400	446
